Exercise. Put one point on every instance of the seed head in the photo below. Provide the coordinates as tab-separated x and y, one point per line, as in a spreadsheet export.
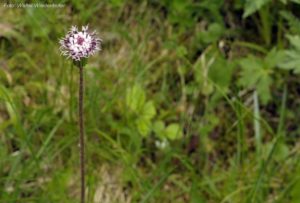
80	44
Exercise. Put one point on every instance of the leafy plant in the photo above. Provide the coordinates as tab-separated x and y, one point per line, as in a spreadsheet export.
292	59
172	131
257	73
143	111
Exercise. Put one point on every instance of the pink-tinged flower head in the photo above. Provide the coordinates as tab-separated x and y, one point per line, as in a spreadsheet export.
80	44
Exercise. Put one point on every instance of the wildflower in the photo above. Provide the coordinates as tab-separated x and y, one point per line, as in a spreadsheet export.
80	44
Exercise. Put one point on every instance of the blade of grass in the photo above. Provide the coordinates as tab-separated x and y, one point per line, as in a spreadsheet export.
156	187
257	127
48	139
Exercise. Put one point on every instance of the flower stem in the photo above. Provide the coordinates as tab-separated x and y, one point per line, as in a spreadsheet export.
81	129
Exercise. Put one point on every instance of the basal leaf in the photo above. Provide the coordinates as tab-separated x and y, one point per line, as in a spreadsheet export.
173	131
143	126
135	98
159	128
148	111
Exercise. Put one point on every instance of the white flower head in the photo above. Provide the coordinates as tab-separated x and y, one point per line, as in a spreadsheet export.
80	44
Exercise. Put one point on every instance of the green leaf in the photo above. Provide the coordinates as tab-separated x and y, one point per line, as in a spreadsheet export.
213	33
135	98
292	59
281	151
296	1
201	70
295	41
173	131
263	88
220	72
252	6
143	126
195	194
143	122
251	66
143	112
10	105
148	111
257	73
159	128
274	58
117	3
181	51
292	20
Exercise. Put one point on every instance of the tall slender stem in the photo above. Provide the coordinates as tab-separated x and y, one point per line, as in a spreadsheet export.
81	129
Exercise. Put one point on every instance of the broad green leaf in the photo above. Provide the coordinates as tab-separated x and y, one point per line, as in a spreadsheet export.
212	34
293	63
292	59
257	73
159	128
143	126
294	41
252	6
135	98
251	71
221	72
143	122
173	131
281	151
274	58
148	111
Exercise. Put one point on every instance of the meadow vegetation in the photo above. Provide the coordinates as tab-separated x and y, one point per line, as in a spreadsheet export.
188	101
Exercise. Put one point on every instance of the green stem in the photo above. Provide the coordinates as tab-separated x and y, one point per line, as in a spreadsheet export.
265	29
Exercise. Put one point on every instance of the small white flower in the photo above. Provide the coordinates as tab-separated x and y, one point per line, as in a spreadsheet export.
80	44
161	144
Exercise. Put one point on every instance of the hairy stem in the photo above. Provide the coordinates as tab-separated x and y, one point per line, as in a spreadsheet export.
81	129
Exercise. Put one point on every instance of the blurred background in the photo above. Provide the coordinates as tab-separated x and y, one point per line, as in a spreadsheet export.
189	101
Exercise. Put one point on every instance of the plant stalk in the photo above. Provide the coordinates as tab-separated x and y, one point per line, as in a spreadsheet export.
81	130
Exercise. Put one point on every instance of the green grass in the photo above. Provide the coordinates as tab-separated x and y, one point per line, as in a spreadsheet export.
187	102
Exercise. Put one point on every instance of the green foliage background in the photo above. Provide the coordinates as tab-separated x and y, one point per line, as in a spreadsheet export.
189	101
